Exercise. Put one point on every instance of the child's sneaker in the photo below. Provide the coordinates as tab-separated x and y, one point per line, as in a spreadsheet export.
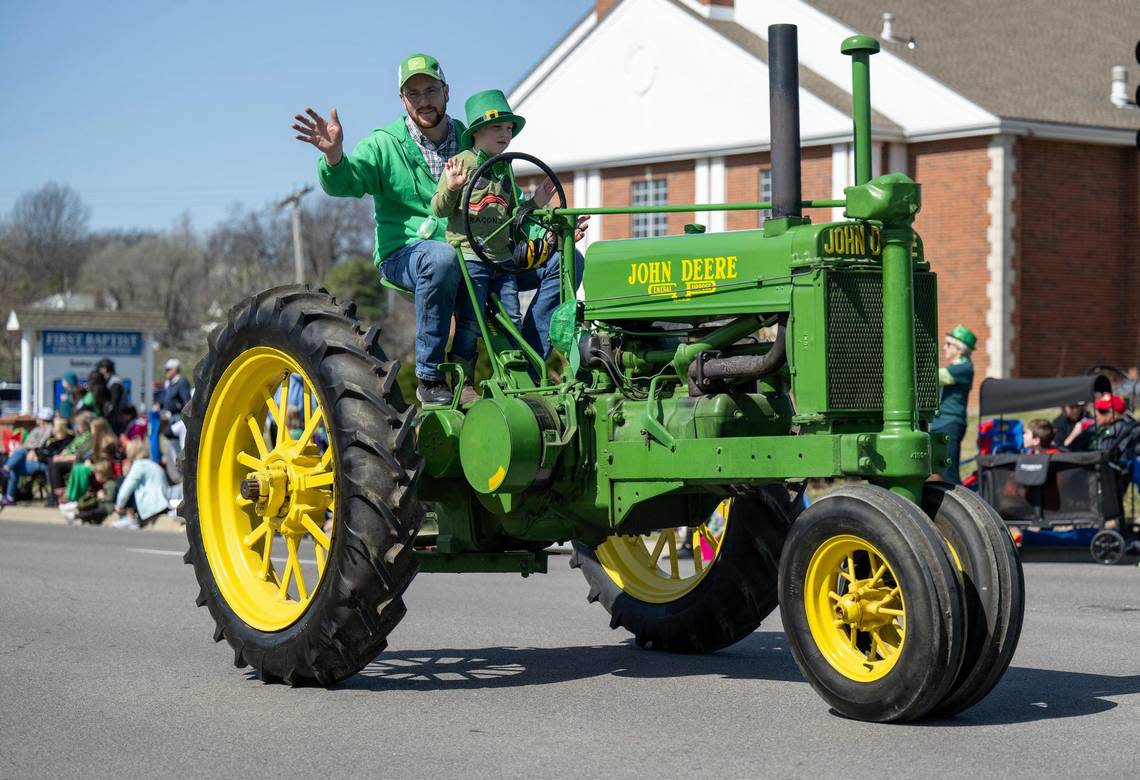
6	500
126	521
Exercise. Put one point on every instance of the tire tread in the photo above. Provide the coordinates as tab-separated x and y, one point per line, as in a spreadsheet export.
360	598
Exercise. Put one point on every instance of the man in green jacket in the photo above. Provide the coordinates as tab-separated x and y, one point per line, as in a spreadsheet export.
399	166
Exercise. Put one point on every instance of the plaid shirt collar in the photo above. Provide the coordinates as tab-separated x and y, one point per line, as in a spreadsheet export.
435	154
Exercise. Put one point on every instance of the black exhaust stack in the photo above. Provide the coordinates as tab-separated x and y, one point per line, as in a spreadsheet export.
784	107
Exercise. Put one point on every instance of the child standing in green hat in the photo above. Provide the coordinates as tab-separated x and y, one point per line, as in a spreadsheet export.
956	378
491	126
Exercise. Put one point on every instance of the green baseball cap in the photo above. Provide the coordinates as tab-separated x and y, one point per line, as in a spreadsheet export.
965	335
415	64
488	107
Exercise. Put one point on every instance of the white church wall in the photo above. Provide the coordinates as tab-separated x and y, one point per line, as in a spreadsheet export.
649	82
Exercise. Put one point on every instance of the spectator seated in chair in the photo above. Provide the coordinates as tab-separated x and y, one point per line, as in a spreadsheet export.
106	453
24	460
76	451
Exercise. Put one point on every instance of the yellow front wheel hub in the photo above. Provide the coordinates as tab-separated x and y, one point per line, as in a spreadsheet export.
266	483
652	568
855	608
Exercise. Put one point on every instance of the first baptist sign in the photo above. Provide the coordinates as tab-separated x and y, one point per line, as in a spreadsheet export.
102	344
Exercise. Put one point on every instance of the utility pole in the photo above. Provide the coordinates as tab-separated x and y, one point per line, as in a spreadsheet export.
294	200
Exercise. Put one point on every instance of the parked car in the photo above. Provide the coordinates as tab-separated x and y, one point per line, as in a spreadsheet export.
9	398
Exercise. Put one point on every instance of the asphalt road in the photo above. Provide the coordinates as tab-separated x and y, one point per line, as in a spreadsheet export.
107	669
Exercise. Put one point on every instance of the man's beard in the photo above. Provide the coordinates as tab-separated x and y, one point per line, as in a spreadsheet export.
438	117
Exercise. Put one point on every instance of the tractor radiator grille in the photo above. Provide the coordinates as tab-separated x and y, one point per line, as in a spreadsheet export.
855	340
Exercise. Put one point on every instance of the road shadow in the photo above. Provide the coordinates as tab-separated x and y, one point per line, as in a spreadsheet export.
762	656
1024	695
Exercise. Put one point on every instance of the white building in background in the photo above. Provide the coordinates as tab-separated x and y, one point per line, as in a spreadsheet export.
1019	126
54	341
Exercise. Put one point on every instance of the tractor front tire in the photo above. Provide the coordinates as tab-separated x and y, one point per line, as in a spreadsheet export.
872	605
994	589
351	503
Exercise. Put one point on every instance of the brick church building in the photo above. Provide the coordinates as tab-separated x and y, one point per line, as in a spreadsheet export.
1015	117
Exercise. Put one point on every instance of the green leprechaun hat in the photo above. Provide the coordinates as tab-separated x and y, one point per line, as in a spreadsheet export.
965	335
488	107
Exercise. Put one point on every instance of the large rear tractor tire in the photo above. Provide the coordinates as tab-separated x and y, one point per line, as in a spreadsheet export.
872	605
994	589
692	606
299	488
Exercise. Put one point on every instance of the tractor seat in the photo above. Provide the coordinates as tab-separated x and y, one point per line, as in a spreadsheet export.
404	291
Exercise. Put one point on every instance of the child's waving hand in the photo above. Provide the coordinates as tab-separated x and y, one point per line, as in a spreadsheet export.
456	174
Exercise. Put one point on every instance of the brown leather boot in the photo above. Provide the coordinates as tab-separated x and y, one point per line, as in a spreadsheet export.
468	395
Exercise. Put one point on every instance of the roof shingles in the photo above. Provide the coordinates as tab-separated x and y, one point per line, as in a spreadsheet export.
1036	60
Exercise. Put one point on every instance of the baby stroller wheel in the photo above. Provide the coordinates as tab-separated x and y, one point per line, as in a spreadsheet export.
1107	546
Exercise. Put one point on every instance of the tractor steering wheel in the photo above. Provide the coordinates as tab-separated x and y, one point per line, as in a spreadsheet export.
519	215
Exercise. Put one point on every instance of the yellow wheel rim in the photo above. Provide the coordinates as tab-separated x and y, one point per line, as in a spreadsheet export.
262	504
855	608
652	569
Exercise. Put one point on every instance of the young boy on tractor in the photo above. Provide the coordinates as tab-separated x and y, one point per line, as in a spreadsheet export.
491	126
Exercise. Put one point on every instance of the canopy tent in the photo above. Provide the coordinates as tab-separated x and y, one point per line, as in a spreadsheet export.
999	396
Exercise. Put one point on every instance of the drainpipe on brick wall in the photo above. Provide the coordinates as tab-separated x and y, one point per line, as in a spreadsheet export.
999	263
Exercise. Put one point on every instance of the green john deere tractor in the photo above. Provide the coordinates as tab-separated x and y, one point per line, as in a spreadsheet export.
676	425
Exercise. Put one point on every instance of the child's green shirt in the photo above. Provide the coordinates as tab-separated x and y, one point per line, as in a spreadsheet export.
492	201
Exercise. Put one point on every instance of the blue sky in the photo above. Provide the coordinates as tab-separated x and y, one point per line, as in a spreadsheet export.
149	109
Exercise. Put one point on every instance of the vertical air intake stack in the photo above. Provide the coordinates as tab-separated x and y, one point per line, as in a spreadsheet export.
784	108
860	48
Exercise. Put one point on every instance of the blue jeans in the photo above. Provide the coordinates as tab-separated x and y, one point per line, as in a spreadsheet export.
485	279
19	466
544	280
956	432
431	270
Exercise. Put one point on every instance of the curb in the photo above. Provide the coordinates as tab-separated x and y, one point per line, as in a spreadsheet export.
36	512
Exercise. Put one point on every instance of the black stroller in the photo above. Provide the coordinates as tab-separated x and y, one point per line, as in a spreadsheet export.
1048	491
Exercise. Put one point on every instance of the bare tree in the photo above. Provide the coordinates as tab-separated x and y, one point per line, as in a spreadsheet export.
18	285
167	273
49	230
250	251
336	229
